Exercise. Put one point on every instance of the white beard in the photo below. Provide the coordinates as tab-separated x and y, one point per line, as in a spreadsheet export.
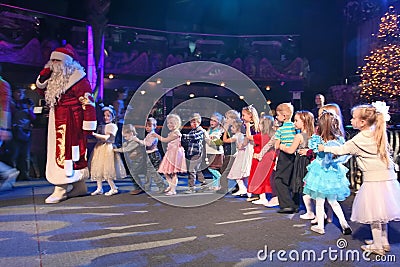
57	83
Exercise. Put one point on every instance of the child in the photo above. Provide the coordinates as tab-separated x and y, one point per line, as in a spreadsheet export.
153	158
134	156
251	121
326	177
105	165
214	149
284	167
194	152
377	201
174	158
333	107
241	166
229	149
260	172
304	122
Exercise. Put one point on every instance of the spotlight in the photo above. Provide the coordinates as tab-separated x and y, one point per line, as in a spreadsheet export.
241	97
267	88
187	82
110	76
191	95
142	92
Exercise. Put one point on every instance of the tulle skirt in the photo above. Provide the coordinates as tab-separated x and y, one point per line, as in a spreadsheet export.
105	164
330	183
174	161
377	202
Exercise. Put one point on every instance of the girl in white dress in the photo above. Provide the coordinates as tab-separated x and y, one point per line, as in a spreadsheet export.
105	164
241	166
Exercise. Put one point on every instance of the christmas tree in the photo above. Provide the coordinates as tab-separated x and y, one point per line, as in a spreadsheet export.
380	77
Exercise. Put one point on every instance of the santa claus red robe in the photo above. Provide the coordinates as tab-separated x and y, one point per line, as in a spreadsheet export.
73	114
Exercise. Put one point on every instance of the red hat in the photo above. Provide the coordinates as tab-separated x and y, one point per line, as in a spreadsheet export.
63	53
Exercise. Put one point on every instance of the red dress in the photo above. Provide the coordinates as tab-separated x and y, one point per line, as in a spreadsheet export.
260	172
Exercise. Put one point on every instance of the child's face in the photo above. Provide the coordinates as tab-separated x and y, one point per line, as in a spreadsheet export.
298	123
234	129
172	124
214	122
356	121
228	120
128	135
280	116
246	116
194	124
108	117
149	127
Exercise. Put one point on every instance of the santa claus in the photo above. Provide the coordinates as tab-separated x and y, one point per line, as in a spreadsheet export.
72	117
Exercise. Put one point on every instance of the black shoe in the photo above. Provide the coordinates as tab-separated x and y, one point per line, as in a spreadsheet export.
347	231
287	210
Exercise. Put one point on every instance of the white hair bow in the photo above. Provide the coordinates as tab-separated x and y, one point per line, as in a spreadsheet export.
382	108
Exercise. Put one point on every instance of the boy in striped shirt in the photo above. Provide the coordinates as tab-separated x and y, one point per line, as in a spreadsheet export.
284	168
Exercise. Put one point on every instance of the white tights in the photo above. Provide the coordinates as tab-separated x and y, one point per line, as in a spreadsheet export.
336	209
379	235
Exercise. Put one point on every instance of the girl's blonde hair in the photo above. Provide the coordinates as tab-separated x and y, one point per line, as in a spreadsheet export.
129	128
254	116
176	118
374	118
232	114
336	109
308	121
329	127
267	125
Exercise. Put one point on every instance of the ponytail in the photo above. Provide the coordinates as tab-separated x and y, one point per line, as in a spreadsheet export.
380	136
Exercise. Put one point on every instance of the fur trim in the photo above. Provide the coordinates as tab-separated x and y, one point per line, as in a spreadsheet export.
89	125
69	167
75	153
39	84
61	56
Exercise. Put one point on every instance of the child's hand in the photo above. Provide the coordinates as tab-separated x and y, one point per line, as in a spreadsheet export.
257	156
154	135
282	147
302	151
248	125
134	138
321	148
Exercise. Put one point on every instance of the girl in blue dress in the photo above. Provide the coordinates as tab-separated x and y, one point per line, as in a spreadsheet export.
326	176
